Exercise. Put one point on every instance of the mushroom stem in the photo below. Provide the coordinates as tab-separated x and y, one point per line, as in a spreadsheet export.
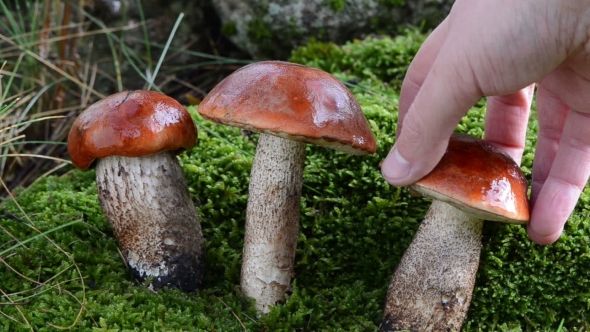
148	205
272	220
432	286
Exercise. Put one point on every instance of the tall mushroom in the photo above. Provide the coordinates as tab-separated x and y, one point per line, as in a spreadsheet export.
134	136
432	285
290	105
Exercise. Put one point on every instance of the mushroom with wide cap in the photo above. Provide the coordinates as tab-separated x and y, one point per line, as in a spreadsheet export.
431	287
133	138
289	105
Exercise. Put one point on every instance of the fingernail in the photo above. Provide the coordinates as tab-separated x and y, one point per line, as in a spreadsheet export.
395	168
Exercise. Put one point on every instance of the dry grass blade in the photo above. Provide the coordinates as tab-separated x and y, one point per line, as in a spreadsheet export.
233	313
9	317
45	236
26	321
36	156
82	309
51	171
39	284
11	140
51	66
13	122
14	238
22	123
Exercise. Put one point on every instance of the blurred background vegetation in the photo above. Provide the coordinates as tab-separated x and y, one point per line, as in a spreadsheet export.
60	266
61	56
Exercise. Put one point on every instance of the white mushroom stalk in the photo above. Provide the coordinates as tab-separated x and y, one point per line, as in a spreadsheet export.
148	205
432	286
290	105
272	221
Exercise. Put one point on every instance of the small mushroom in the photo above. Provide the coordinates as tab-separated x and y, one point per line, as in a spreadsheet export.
134	137
289	105
432	285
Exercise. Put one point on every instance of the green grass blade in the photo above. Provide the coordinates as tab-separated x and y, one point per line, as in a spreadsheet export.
5	108
37	96
170	37
12	27
146	40
10	80
42	234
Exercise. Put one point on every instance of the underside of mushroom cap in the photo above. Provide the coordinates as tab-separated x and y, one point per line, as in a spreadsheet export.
292	101
131	124
479	178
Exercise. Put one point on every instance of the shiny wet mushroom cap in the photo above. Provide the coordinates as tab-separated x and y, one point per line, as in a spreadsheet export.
130	124
479	178
291	101
289	105
133	137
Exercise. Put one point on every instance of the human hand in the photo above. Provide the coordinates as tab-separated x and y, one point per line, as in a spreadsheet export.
500	49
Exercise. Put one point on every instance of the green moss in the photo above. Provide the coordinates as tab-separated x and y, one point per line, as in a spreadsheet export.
376	58
229	29
355	227
393	3
336	5
258	31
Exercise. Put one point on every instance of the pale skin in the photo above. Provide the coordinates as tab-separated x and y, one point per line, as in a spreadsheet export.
503	49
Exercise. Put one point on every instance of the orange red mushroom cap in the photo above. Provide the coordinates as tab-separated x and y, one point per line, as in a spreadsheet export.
480	178
130	124
291	101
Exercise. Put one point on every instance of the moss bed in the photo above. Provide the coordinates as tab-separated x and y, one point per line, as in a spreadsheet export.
355	228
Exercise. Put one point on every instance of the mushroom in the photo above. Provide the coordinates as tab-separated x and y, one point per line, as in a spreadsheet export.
134	136
432	285
289	105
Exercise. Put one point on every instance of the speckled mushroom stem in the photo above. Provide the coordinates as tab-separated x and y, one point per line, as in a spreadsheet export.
432	286
148	205
272	221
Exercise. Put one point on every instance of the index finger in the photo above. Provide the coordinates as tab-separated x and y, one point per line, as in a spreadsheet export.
418	70
450	83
